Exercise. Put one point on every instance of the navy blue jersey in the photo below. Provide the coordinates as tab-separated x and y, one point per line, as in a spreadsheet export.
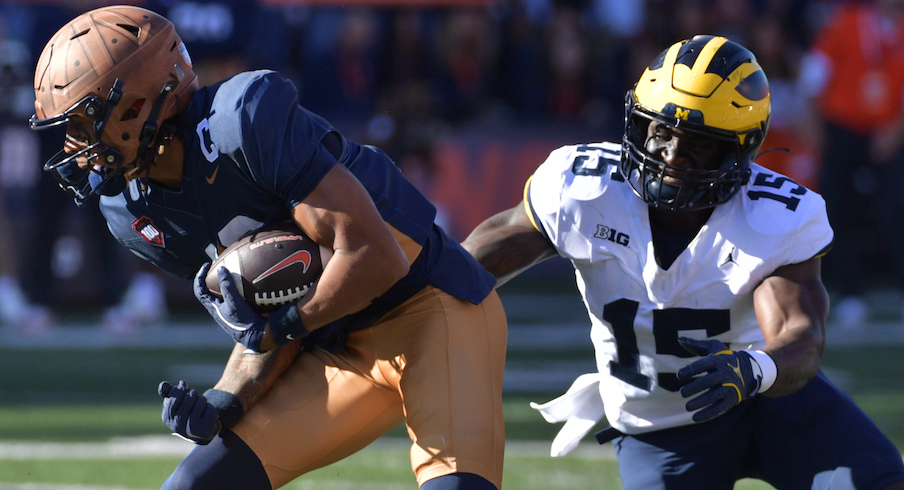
252	154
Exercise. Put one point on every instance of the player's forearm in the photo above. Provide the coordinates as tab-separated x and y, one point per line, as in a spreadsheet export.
504	253
792	314
797	361
507	244
351	280
249	375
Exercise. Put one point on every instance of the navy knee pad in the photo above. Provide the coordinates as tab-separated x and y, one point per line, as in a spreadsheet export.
458	481
227	462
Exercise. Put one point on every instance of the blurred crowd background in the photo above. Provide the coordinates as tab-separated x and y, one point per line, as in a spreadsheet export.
469	97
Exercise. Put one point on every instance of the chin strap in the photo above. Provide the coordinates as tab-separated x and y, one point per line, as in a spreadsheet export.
110	156
150	130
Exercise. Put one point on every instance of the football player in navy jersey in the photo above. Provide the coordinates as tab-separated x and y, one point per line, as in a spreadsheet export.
402	326
700	271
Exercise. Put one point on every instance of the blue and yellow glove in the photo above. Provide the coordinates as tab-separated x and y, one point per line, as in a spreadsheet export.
234	315
729	378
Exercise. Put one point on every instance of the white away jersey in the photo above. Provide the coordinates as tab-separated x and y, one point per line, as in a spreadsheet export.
638	310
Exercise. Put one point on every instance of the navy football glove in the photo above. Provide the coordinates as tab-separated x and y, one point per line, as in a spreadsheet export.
231	313
731	377
187	413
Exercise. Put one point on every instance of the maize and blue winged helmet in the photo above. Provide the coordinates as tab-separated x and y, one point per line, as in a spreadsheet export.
709	87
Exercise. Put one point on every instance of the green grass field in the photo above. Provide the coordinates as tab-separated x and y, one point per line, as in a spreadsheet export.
64	413
89	438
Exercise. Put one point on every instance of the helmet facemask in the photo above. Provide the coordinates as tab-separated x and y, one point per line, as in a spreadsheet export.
673	188
101	163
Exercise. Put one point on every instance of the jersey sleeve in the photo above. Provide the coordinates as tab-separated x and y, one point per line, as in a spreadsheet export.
277	140
816	235
776	205
557	194
542	194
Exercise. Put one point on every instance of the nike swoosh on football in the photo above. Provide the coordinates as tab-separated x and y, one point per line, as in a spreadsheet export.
301	256
213	176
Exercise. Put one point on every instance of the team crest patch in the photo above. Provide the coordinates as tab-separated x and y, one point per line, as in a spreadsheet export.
146	228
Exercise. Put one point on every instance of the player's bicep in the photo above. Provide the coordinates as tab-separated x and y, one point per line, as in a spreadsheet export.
367	259
340	214
793	295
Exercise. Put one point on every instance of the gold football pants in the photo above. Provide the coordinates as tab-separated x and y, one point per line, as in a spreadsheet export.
436	363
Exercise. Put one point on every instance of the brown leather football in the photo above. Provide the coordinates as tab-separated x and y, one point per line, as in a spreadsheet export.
274	265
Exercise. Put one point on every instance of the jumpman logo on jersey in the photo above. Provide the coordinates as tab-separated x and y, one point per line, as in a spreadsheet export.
729	259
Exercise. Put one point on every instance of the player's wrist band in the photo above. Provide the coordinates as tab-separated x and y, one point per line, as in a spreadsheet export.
229	409
767	368
286	325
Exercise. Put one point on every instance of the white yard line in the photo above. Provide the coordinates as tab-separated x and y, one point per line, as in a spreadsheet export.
117	448
154	446
54	486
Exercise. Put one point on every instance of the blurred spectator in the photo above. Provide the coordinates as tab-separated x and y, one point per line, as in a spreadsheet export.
624	20
144	303
855	74
780	57
522	70
19	174
341	72
217	33
568	60
732	19
669	22
469	51
405	121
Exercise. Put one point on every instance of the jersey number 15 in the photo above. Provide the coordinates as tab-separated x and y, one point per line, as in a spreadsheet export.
667	324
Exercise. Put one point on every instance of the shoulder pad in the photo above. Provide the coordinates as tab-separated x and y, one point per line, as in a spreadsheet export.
248	97
579	172
775	204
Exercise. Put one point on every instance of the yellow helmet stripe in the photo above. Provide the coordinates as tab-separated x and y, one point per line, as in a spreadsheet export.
699	77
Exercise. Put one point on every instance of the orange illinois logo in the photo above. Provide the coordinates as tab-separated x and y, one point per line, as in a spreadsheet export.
146	228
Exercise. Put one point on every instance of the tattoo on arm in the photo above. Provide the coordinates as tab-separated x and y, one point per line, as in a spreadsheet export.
509	257
249	375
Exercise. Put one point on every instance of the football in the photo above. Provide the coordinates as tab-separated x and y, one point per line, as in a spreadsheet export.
272	266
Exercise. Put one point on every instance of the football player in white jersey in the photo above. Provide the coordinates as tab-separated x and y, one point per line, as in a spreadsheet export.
700	271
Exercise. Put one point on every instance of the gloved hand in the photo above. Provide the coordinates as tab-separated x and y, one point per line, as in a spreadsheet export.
188	414
232	313
732	377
